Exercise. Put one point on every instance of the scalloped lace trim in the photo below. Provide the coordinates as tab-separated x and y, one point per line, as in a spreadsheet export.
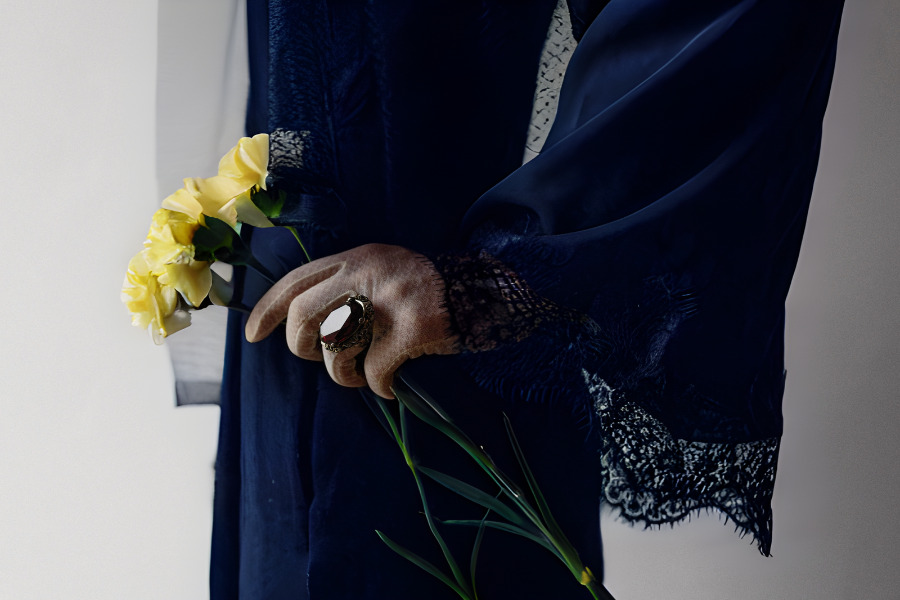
654	478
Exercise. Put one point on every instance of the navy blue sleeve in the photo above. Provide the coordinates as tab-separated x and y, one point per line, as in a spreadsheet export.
666	209
670	198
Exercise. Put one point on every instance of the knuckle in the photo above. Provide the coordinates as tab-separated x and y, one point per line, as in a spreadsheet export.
342	369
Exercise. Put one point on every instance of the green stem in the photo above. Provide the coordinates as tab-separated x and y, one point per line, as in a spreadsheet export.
599	591
293	230
448	556
427	409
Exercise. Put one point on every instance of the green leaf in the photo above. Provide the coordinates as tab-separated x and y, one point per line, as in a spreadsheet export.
270	205
410	395
430	412
214	241
425	412
548	534
448	556
539	499
507	528
217	240
427	400
476	548
296	235
422	564
389	418
470	492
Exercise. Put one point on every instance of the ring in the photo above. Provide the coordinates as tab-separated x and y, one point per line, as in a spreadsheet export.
348	325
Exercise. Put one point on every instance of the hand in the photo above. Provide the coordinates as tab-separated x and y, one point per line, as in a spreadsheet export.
410	317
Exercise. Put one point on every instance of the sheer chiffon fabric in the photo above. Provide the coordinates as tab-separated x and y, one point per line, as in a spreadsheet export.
650	246
201	98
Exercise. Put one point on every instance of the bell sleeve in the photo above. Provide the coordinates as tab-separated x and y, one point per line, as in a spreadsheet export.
637	269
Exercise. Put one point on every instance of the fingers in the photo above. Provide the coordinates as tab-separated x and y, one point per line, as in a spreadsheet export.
273	307
381	378
388	353
410	319
344	366
382	361
306	312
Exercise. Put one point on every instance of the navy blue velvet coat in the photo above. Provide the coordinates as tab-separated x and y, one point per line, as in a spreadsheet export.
667	205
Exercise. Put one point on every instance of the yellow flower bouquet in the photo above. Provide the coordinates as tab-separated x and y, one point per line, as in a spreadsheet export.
197	225
200	224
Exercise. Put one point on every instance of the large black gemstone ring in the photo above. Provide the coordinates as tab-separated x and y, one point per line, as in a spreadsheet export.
348	325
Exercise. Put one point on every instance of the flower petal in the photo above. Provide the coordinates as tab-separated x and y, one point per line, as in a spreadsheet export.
193	279
214	193
177	321
183	201
248	161
247	212
149	301
182	226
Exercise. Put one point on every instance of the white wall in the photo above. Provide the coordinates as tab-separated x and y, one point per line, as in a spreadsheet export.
105	488
838	479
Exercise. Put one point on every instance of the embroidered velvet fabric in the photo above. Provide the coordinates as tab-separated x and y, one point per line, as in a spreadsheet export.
644	257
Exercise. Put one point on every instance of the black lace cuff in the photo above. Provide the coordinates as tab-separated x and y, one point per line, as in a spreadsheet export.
650	474
488	303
